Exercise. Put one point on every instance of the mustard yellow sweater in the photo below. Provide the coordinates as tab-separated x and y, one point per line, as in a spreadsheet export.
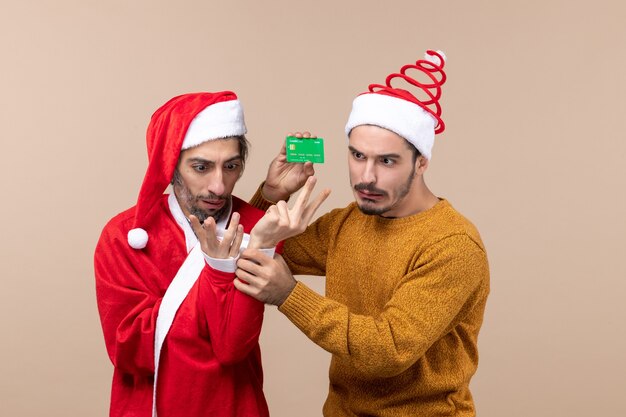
404	303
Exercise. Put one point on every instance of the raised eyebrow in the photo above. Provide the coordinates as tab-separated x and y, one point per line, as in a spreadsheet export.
198	160
234	158
388	155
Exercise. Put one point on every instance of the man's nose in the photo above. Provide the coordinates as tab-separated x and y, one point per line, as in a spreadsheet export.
216	183
368	176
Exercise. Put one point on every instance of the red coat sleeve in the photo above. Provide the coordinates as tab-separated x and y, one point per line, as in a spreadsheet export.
128	293
233	318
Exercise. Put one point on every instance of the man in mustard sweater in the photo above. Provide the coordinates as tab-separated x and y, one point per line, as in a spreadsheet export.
407	277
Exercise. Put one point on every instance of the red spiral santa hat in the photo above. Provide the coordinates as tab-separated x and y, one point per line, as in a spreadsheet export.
183	122
396	109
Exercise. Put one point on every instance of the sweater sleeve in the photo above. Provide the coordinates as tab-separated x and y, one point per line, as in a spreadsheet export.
259	201
233	318
307	253
424	307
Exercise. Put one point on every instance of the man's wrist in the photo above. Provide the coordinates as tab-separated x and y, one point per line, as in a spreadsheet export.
221	264
286	294
273	194
257	243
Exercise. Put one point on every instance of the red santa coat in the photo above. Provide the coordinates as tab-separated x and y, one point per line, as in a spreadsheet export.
210	363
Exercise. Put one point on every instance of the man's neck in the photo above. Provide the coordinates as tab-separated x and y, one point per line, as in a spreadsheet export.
421	199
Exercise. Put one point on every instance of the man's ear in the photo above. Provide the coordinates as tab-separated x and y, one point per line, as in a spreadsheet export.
421	164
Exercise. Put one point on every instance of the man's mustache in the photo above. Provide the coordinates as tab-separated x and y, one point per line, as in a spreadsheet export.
210	196
369	188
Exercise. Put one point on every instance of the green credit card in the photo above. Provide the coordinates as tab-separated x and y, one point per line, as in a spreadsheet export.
304	149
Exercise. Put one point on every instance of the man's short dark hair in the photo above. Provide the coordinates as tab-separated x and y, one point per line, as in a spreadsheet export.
243	149
416	153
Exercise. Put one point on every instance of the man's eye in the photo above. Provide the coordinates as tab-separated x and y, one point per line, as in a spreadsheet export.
357	155
232	167
387	161
199	168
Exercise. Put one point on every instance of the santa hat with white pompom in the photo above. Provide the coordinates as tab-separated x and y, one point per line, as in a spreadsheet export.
183	122
397	109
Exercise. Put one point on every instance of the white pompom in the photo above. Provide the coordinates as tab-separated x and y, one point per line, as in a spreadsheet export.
137	238
434	58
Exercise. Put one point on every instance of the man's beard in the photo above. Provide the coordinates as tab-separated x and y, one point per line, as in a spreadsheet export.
190	201
375	211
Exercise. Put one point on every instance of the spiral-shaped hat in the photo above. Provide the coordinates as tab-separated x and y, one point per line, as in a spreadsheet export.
413	114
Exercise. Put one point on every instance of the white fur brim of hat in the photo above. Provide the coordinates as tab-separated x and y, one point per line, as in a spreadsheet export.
398	115
217	121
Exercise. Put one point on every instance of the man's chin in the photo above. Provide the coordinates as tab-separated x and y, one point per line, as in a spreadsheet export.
202	215
371	209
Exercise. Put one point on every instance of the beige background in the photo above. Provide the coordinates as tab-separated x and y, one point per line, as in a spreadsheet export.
533	154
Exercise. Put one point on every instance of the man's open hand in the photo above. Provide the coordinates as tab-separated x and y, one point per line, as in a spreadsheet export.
212	245
280	222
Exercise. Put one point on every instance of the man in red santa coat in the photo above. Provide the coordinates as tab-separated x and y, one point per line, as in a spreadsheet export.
182	339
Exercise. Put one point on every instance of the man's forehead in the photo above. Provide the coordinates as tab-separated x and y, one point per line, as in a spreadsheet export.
213	150
377	141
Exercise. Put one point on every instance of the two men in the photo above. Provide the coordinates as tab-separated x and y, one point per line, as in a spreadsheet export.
183	341
407	277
